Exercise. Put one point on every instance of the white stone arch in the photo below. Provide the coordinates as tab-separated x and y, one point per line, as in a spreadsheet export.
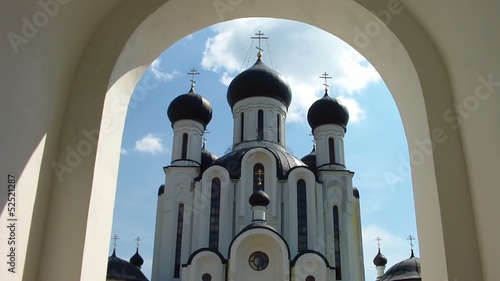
312	263
258	239
204	261
268	160
226	205
413	72
291	207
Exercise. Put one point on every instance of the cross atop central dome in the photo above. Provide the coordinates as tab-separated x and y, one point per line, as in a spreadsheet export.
259	81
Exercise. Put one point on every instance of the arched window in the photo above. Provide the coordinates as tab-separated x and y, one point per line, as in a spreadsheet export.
278	128
213	238
331	150
258	177
178	241
184	146
336	242
260	125
242	126
302	215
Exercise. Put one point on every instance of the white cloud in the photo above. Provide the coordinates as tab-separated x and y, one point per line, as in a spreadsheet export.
301	53
218	54
124	151
226	50
159	74
226	79
149	144
356	113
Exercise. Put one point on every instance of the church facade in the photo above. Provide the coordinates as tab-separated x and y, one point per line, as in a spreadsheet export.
257	212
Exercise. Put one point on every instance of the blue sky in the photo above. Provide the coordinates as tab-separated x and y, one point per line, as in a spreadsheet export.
375	144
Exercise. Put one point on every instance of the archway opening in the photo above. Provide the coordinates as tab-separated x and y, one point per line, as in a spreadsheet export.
376	146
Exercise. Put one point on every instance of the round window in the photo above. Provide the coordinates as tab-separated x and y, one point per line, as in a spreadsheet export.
206	277
258	261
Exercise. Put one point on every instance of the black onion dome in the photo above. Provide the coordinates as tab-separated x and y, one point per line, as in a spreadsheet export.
327	110
136	259
119	269
259	198
259	81
310	159
407	270
379	260
190	106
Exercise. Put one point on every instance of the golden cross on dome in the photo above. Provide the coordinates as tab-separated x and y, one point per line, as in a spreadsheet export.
325	76
137	240
259	174
193	72
411	238
114	242
259	37
378	239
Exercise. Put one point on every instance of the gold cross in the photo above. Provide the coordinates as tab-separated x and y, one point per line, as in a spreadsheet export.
259	37
193	72
259	173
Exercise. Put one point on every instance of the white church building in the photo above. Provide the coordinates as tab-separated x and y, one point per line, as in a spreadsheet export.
257	212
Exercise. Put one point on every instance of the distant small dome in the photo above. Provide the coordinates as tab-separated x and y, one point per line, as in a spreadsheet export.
379	260
161	190
136	259
119	269
407	270
327	110
310	159
190	106
259	198
355	193
207	159
259	81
